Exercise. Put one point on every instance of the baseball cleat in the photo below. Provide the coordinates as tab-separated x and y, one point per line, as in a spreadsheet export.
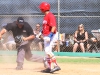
19	68
47	70
57	68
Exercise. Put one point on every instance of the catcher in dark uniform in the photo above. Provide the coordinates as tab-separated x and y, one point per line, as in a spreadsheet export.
23	35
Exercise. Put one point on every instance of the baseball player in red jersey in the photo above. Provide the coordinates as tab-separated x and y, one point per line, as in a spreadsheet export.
49	33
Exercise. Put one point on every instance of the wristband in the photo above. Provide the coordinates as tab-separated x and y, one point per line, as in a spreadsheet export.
50	35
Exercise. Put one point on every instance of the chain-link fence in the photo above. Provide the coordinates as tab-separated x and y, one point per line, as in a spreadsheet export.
69	14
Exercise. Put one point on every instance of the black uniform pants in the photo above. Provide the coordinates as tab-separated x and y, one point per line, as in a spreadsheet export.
24	51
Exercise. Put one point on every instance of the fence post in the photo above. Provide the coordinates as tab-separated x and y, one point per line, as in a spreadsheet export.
58	23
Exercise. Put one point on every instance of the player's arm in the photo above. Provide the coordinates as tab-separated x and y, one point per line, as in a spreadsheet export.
28	38
52	24
53	29
30	33
2	32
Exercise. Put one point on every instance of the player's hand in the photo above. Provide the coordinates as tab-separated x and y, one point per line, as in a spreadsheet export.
24	38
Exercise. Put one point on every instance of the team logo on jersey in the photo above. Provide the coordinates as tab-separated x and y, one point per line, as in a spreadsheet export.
44	22
24	30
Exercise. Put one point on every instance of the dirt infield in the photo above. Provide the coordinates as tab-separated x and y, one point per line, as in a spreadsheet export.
35	68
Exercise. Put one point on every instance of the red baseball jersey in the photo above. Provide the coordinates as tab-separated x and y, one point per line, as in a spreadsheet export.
48	22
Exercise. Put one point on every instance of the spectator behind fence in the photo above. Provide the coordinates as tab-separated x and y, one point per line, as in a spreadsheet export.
80	38
11	45
55	45
8	42
38	41
92	44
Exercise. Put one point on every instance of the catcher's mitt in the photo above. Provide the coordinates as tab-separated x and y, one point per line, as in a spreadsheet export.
18	39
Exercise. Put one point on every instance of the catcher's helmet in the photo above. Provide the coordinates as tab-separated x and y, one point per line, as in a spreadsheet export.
44	6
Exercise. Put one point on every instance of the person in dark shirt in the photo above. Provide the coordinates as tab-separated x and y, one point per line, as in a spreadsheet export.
22	30
80	37
38	41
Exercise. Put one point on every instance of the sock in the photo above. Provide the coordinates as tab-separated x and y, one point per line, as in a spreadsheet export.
49	62
54	61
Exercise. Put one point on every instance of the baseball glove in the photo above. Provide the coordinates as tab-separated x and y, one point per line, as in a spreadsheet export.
18	39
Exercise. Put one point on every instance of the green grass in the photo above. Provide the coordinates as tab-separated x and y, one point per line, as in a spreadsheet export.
73	60
80	60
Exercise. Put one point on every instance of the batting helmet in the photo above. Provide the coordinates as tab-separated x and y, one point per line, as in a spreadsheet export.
44	6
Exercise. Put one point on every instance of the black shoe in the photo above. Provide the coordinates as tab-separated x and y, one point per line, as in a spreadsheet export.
57	68
19	68
47	70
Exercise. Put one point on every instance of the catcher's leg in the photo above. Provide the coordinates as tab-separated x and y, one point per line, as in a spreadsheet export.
32	57
20	58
